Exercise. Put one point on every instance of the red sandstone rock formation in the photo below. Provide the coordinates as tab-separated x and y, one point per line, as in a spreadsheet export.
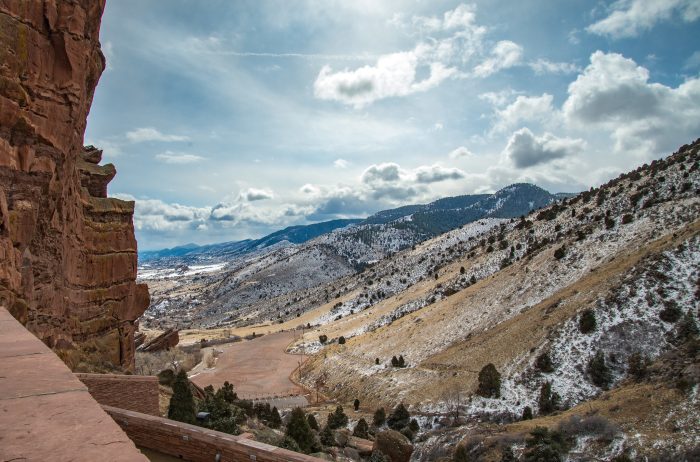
165	341
67	251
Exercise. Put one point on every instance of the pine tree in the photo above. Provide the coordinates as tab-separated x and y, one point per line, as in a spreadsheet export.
399	418
489	382
182	402
341	340
401	362
599	371
361	429
527	413
543	363
356	404
327	438
312	422
379	417
227	393
394	361
549	401
687	328
298	429
337	419
587	322
413	425
275	420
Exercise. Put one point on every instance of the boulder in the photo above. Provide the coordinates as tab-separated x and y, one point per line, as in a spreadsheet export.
393	445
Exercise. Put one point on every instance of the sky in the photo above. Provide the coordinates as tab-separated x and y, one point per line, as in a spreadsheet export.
228	120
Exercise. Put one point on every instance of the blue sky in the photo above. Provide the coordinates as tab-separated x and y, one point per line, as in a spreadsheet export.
231	119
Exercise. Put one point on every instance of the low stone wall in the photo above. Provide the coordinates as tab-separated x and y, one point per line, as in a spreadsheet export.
132	392
197	444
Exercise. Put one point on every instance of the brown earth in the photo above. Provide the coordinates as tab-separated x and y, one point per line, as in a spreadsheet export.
67	251
257	368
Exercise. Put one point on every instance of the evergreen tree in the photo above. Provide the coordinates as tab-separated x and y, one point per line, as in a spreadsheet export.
356	404
337	419
527	413
399	418
587	322
312	422
543	363
227	393
489	382
401	362
637	365
275	420
549	401
182	402
599	371
361	429
341	340
226	425
289	443
298	429
413	425
327	438
394	361
376	361
687	328
379	417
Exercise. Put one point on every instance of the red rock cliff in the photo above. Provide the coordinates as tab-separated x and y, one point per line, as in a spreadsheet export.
67	252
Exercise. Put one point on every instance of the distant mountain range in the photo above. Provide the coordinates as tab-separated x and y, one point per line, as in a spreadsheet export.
419	221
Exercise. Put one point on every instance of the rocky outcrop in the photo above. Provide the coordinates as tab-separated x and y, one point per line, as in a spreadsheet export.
67	251
165	341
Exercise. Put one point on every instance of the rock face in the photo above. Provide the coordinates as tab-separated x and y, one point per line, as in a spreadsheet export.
67	251
165	341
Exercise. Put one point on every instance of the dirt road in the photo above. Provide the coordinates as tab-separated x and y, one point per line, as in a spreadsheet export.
257	368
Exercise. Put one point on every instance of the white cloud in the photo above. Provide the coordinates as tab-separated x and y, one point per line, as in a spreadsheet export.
460	153
170	157
436	173
629	18
524	109
140	135
505	54
525	150
614	93
693	61
393	75
253	194
341	163
544	66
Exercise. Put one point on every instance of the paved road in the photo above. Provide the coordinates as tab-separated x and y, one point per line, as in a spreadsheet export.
257	368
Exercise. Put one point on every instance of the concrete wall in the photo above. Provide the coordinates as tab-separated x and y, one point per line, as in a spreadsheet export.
197	444
131	392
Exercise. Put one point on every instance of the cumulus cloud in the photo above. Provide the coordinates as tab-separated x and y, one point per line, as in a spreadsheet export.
151	134
523	109
436	173
253	194
629	18
524	149
170	157
393	75
614	93
505	54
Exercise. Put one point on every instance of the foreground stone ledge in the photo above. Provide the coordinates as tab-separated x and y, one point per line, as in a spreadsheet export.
46	413
197	444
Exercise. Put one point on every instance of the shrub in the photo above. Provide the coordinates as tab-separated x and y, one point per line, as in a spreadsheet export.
356	404
560	252
671	312
275	421
543	363
379	417
472	280
361	429
587	322
598	371
527	413
394	361
401	362
376	361
545	446
507	454
549	401
637	365
341	340
413	425
323	338
462	270
337	419
298	429
489	382
182	402
609	223
627	218
289	443
377	456
313	424
399	419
